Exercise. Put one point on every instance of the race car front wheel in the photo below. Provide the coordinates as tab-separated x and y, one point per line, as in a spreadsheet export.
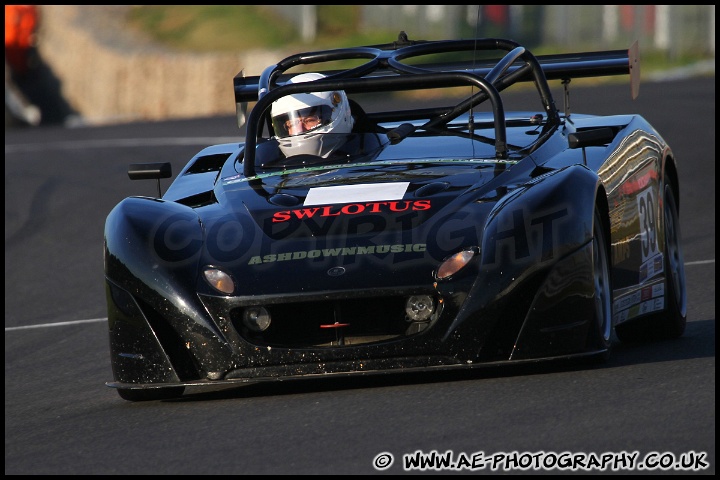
603	288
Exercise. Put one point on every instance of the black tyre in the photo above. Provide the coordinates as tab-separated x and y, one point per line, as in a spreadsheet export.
601	331
670	323
150	394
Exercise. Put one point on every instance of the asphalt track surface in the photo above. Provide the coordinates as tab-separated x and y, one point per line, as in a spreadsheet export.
650	399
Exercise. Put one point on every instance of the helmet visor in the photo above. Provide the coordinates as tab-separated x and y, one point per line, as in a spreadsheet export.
301	121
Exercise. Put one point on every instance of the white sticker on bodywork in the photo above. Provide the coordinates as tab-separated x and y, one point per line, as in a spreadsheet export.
365	192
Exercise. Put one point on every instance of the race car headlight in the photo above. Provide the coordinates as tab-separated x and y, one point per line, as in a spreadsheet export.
256	319
453	264
419	308
219	280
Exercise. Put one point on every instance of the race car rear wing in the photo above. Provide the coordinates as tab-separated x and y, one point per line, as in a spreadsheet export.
386	62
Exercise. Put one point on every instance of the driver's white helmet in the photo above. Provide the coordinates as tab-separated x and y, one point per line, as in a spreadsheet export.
330	110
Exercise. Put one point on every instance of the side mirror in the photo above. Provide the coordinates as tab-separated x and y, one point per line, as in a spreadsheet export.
149	171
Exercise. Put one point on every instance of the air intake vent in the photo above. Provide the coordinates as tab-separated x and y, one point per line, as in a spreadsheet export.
210	163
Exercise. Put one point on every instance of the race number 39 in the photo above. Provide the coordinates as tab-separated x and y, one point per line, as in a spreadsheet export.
648	226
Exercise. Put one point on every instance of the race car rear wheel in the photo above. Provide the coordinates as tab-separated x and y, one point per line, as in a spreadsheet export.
670	323
135	395
603	289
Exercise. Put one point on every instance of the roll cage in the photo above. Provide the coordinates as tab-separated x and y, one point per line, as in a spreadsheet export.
385	71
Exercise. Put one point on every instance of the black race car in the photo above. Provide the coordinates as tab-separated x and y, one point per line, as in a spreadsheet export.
436	237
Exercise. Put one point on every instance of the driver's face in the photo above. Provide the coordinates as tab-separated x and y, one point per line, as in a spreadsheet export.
302	124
